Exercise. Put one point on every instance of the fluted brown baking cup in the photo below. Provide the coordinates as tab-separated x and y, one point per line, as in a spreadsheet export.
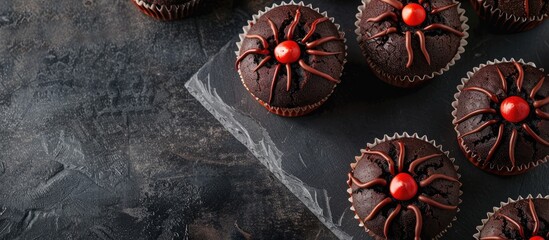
503	204
416	80
505	22
167	12
298	111
474	158
387	138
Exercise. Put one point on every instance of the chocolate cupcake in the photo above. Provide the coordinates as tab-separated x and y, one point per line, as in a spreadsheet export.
512	16
500	116
521	219
290	58
167	10
404	187
406	43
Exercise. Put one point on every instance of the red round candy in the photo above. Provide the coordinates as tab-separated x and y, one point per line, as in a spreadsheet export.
537	238
287	52
403	187
514	109
413	14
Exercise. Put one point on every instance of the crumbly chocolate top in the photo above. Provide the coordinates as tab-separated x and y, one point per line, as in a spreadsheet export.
306	78
520	8
398	49
496	142
521	220
167	2
427	213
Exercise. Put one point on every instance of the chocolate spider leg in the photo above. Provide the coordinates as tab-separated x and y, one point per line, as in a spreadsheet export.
512	143
401	155
383	33
493	238
321	41
388	14
289	75
396	4
436	176
474	113
386	157
510	220
537	87
419	220
409	49
419	161
421	37
491	95
434	203
503	80
534	216
534	135
527	8
443	27
248	52
479	128
262	63
541	103
264	42
313	28
273	82
375	182
321	53
316	72
441	9
274	28
542	114
291	29
520	78
378	208
496	145
390	219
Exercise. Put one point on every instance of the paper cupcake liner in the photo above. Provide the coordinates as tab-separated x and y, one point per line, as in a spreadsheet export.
503	21
167	12
475	159
502	204
413	81
390	138
298	111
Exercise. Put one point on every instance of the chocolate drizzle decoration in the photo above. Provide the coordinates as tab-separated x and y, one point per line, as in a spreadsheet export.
305	41
514	224
391	203
537	104
419	31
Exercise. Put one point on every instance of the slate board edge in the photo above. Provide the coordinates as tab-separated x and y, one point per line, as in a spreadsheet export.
264	149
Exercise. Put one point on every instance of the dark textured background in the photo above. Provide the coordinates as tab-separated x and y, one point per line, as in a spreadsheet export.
100	140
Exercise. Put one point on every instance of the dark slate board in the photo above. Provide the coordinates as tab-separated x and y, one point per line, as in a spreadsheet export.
311	154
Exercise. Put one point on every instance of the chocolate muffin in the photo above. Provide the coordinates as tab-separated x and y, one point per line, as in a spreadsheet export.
290	58
501	117
407	42
167	10
523	219
513	15
404	187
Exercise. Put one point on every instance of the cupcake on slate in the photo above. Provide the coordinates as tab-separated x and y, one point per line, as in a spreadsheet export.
501	116
404	187
290	58
408	42
521	219
167	10
512	16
